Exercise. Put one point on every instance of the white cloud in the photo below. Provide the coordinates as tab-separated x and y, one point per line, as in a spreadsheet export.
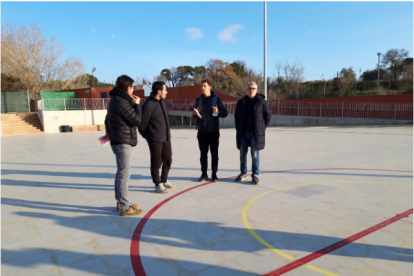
93	30
254	37
194	33
226	35
113	36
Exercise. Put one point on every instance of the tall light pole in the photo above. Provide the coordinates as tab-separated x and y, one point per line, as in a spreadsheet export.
93	70
379	54
265	54
324	85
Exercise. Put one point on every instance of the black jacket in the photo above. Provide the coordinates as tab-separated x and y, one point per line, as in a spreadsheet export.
208	122
122	118
262	117
155	125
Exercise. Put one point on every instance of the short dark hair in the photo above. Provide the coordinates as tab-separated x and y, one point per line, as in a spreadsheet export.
123	82
158	85
207	81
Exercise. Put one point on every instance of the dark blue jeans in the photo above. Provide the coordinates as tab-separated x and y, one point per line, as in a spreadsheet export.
248	140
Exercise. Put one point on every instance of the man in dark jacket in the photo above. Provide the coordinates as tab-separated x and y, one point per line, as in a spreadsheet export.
156	129
211	108
123	116
252	117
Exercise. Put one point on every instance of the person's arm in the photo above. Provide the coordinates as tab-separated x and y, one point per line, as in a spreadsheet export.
146	115
236	115
195	107
267	115
107	129
221	108
131	115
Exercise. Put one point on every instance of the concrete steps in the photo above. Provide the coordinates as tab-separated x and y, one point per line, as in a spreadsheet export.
20	124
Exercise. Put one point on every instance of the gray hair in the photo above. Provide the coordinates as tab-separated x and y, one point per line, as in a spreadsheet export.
252	82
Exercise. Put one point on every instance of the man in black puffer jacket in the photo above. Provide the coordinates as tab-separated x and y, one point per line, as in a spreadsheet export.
155	127
252	117
123	116
208	128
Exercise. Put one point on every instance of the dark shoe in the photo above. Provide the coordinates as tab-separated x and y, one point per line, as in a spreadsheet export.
214	177
241	177
131	212
203	177
255	180
135	206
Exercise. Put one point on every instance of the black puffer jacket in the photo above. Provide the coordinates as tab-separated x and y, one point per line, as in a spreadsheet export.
262	117
155	125
208	122
122	118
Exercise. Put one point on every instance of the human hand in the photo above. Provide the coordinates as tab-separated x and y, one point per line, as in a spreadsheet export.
136	99
215	109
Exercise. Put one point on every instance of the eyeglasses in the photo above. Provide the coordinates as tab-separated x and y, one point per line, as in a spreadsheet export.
251	88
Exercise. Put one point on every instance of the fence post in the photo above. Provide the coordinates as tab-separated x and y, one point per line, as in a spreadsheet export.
64	103
342	109
320	110
298	108
84	103
395	111
103	104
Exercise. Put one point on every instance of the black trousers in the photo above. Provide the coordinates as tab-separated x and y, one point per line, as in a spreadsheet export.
208	141
161	153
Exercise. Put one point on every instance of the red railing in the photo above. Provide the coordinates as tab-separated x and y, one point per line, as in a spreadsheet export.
369	110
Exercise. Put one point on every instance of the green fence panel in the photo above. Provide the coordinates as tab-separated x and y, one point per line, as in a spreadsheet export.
14	102
59	95
54	100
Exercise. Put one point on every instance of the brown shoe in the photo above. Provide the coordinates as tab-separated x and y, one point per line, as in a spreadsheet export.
135	206
131	212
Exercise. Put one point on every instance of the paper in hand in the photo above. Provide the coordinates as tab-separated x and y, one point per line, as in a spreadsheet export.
103	140
198	114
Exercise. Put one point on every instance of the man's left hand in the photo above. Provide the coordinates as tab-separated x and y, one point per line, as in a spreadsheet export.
215	109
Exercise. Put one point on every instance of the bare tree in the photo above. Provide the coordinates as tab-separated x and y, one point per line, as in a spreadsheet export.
26	53
142	80
293	74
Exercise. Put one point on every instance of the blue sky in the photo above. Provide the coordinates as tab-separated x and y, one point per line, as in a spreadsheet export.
138	38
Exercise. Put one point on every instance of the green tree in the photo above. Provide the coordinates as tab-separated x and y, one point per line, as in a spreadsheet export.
393	60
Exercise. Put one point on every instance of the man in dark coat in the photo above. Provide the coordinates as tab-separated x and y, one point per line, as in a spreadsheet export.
155	128
252	117
211	108
123	116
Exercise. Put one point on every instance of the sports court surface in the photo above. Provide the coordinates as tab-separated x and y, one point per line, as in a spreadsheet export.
331	201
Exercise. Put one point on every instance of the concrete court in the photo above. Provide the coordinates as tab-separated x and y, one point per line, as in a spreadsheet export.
58	209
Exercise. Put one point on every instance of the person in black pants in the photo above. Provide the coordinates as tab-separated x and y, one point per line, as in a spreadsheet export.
155	128
211	108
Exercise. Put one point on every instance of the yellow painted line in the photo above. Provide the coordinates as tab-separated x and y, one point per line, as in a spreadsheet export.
31	155
249	228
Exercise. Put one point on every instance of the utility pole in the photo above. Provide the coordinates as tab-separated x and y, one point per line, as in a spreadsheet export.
379	54
93	70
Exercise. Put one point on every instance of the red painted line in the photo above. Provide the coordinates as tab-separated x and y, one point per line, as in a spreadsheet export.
320	253
135	253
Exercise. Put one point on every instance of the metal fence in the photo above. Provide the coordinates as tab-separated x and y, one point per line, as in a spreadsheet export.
393	111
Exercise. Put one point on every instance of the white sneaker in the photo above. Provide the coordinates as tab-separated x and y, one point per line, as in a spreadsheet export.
169	185
161	189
